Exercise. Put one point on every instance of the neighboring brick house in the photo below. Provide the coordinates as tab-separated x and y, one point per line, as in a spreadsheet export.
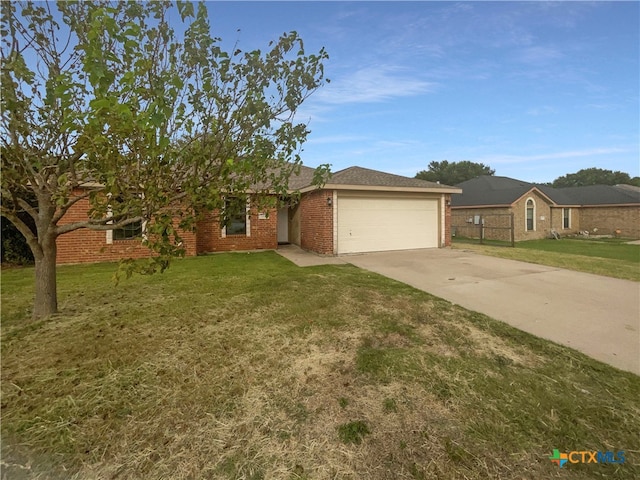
608	210
537	210
357	210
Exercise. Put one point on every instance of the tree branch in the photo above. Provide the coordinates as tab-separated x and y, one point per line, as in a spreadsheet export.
27	207
99	225
22	227
62	210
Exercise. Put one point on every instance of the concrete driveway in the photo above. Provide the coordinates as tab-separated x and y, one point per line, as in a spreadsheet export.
597	315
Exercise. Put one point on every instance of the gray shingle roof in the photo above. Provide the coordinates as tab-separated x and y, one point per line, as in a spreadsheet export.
493	190
558	195
375	178
303	179
626	187
602	195
363	177
490	190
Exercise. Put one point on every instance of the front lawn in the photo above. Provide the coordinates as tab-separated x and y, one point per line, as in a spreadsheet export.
245	366
604	248
609	257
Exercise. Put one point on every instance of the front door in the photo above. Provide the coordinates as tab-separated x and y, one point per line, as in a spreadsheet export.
283	225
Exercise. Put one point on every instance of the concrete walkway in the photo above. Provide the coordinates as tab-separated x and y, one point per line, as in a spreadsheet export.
600	316
303	258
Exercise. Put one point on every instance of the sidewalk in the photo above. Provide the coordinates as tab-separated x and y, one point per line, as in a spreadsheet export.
302	258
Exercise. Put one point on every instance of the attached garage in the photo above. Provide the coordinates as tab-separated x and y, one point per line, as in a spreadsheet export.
379	222
361	210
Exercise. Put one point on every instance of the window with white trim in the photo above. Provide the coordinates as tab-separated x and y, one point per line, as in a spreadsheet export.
530	215
566	218
130	231
235	219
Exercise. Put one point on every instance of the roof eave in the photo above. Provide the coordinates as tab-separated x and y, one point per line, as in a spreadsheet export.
596	205
528	192
497	205
379	188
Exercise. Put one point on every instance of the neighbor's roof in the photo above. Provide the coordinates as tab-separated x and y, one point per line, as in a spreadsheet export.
359	178
504	191
603	194
490	190
558	195
626	187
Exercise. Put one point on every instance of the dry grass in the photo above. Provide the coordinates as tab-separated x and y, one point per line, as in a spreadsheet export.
244	366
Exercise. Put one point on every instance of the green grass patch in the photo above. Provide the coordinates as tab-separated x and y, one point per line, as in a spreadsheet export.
385	363
389	405
609	257
245	366
611	248
353	432
458	240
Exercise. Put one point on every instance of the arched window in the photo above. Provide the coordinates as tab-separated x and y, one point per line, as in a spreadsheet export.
531	215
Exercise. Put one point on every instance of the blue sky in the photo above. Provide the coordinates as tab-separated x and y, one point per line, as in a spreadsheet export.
536	90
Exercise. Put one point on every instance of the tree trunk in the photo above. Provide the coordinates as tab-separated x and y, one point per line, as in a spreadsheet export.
46	301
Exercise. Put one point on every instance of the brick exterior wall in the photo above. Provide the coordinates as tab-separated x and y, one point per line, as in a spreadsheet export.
294	224
311	224
263	234
557	221
316	226
447	221
597	220
496	222
542	213
546	218
600	220
87	246
609	219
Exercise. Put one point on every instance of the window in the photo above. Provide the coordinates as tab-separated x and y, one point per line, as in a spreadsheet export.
531	215
127	232
235	216
566	218
133	230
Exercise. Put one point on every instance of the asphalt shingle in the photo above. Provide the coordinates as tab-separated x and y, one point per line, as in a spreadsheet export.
490	190
495	190
602	195
375	178
362	177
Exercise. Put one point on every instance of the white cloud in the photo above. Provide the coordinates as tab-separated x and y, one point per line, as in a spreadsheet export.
542	110
374	84
603	106
540	55
510	159
332	139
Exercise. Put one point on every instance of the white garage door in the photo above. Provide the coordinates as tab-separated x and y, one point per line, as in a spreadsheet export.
378	223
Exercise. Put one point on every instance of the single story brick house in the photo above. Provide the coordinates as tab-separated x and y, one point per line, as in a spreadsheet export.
537	210
357	210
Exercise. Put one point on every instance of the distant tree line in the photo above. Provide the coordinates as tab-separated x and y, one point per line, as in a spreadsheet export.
595	176
453	173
